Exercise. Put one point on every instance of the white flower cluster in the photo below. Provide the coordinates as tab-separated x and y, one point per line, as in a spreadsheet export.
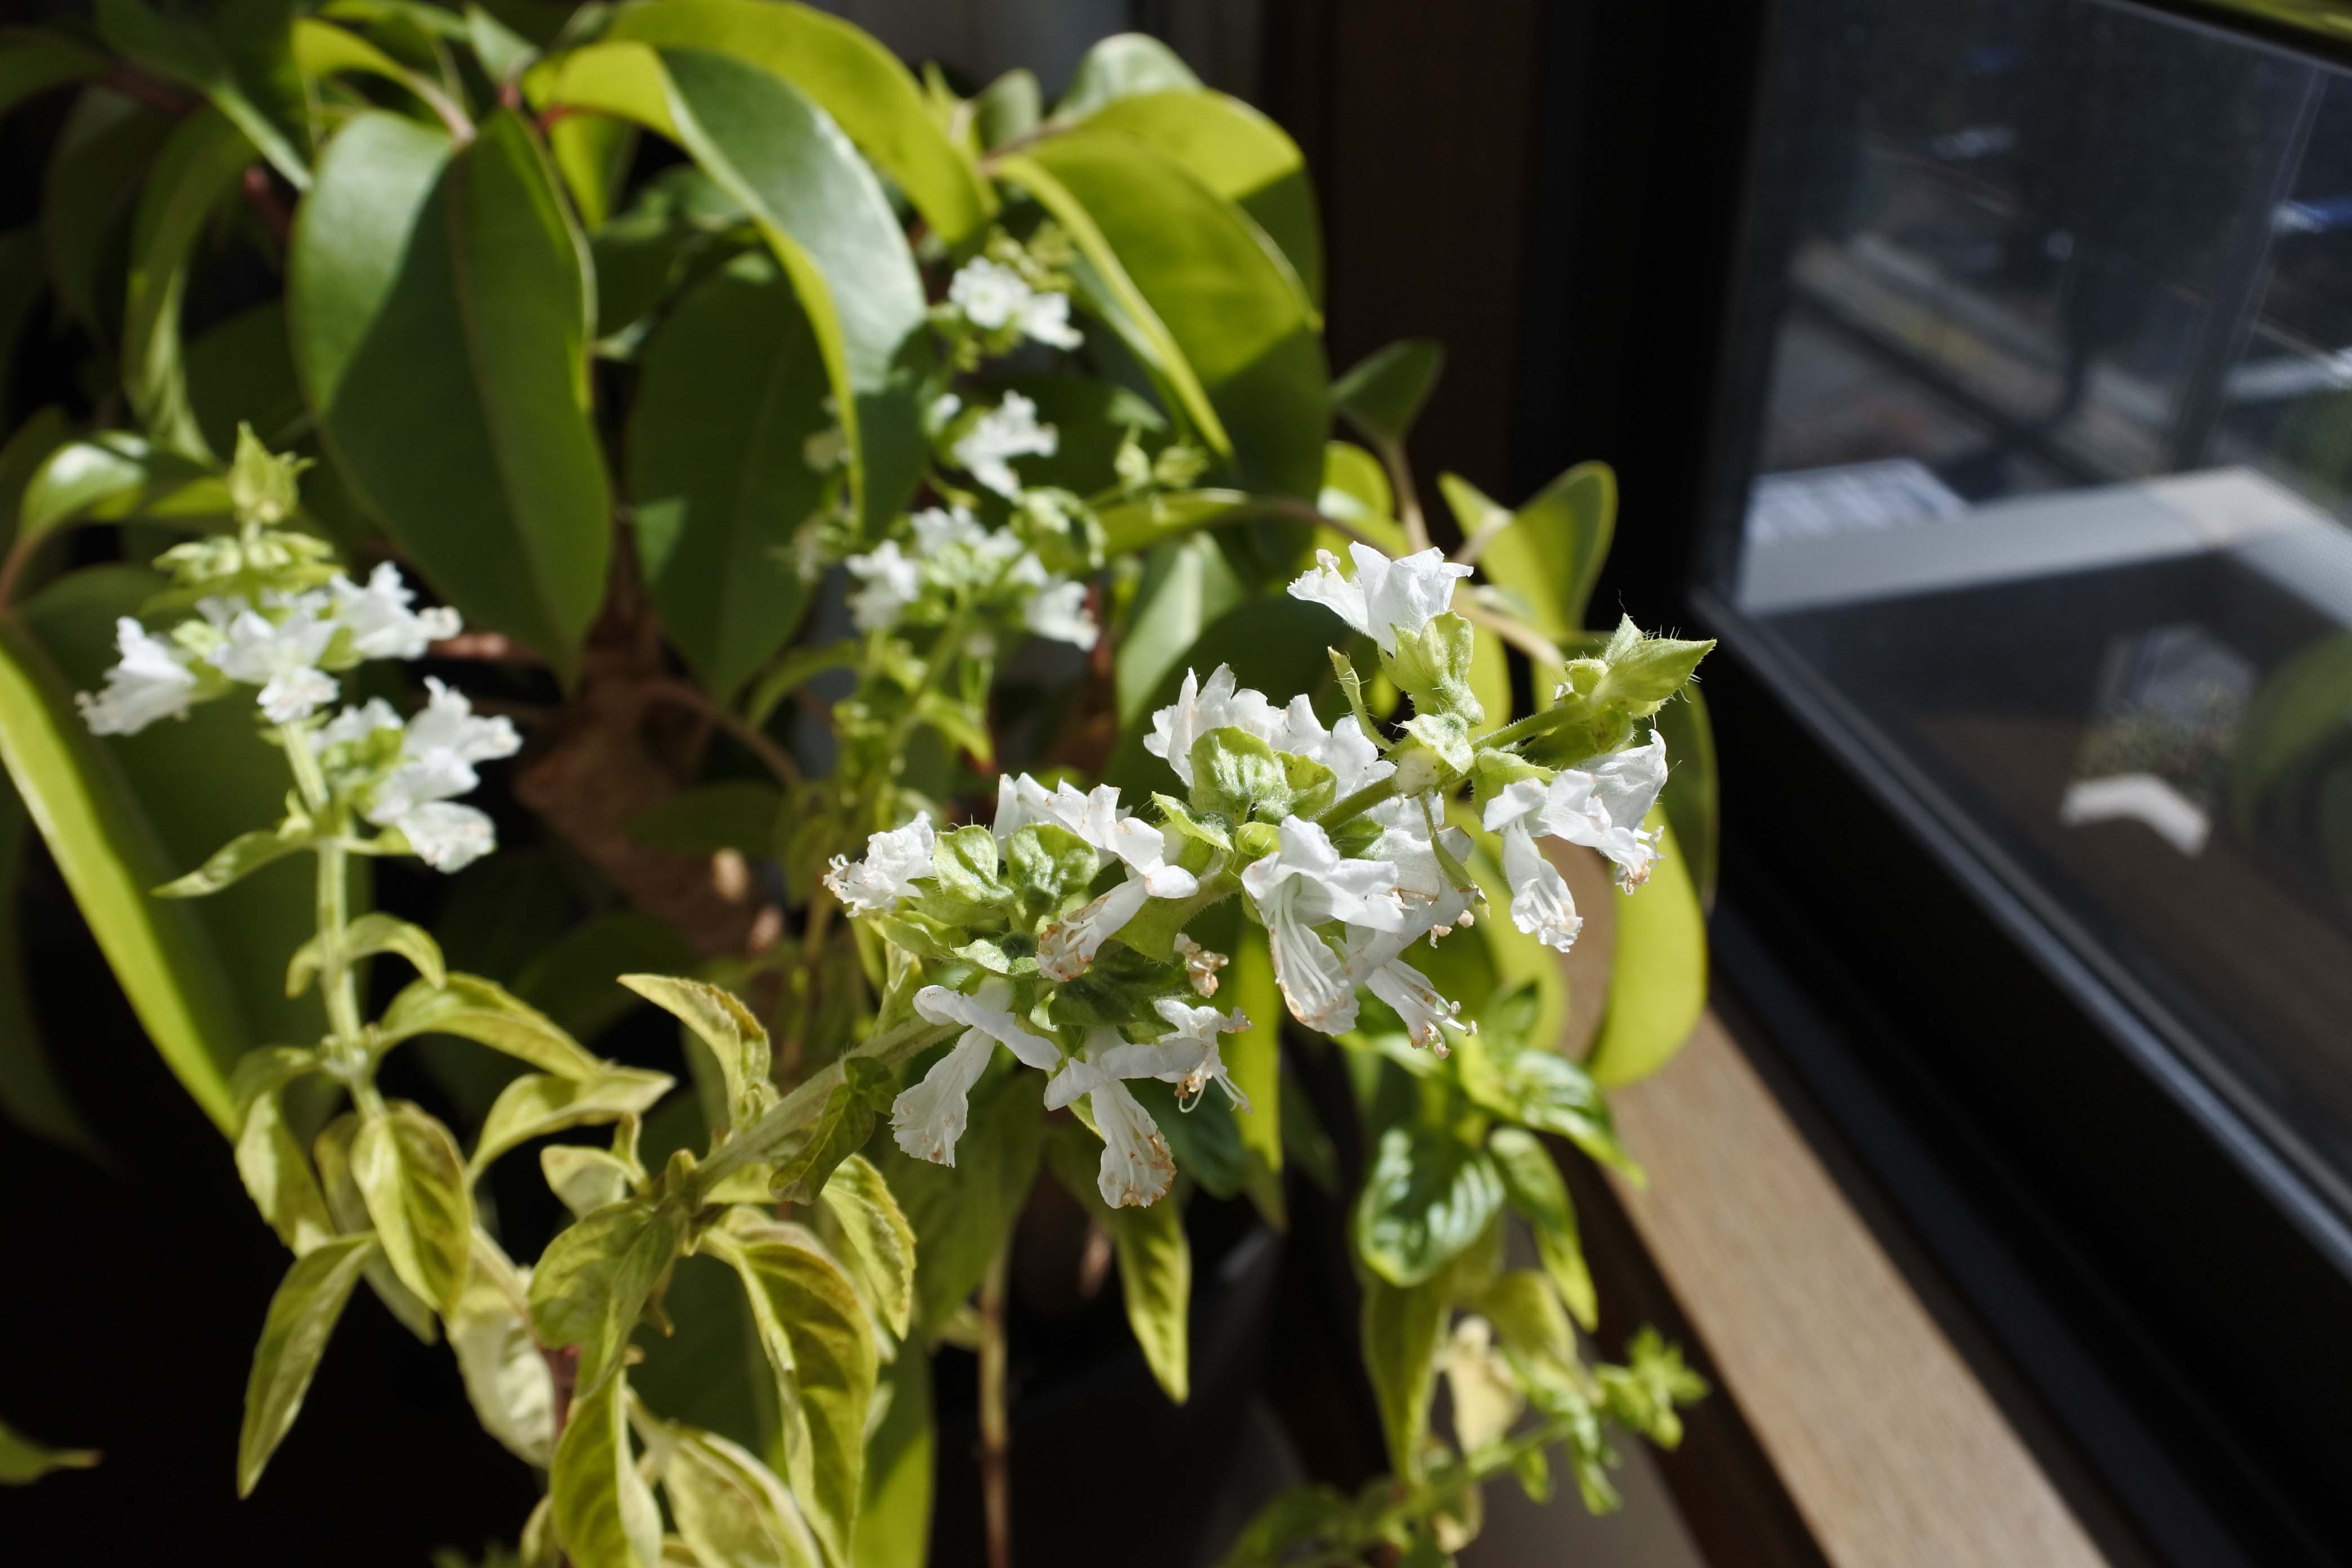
1386	596
413	792
987	442
278	645
992	297
954	554
1600	805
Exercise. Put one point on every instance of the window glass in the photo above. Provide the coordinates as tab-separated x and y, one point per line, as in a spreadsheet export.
2051	484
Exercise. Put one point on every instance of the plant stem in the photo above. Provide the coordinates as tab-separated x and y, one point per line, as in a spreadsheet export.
995	1430
686	695
1356	804
764	1137
337	984
1526	729
1407	499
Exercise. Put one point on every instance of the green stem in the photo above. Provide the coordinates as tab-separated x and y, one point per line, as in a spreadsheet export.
1356	804
346	1038
763	1138
1529	728
995	1423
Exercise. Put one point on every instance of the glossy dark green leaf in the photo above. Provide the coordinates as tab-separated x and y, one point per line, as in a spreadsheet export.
1186	585
594	1279
116	477
242	372
1657	973
439	314
850	76
413	1180
733	386
293	1337
96	168
604	1514
1124	65
1383	393
200	166
1426	1198
1243	156
822	212
1234	328
241	57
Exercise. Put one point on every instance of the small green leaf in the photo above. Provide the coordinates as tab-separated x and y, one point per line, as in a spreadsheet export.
604	1513
116	477
1384	391
1433	665
1532	1185
370	934
720	1021
537	1104
239	858
413	1180
1550	557
476	1009
332	1153
585	1180
1052	867
594	1279
730	1508
272	1165
840	1129
24	1461
1155	1261
879	1241
820	1343
1657	975
243	62
1123	66
1537	1086
506	1379
1403	1326
964	865
1427	1197
1241	777
294	1335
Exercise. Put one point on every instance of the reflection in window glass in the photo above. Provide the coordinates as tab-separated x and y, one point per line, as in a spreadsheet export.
2052	479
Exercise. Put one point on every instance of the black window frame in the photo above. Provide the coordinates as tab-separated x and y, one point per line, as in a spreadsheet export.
2173	1290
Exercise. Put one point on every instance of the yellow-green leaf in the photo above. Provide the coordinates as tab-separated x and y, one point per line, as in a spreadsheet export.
604	1514
293	1337
1658	977
880	1243
413	1180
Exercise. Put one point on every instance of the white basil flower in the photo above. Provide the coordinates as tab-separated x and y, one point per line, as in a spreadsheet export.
1541	905
928	1119
280	657
1201	964
1600	805
1221	704
1434	903
355	724
893	860
1136	1168
1303	884
1067	948
149	681
445	836
1625	785
380	621
892	582
992	295
1007	431
1059	611
1186	1057
1374	963
1045	319
1344	748
1386	596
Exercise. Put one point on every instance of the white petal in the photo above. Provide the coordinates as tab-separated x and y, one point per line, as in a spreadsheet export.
928	1119
1066	948
1136	1167
446	837
1540	902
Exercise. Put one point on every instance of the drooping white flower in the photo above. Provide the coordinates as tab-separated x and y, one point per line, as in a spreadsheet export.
1625	785
1305	883
1059	611
1374	962
1221	704
1007	431
991	295
355	724
445	836
380	621
1066	948
438	754
1386	596
893	860
1601	806
1541	905
1187	1056
892	582
148	682
1344	748
1136	1168
928	1119
280	657
1433	901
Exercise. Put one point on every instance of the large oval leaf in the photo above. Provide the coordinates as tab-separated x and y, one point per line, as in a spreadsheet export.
440	322
1244	157
854	78
1241	325
1427	1196
733	385
820	209
1657	976
1549	556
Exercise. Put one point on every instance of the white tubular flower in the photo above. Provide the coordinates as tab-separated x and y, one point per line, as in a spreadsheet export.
991	295
1059	611
892	582
150	681
928	1119
1066	948
1387	597
355	724
1187	1056
1304	883
437	754
1540	902
1344	748
1201	965
1434	902
1625	785
1045	319
282	658
1199	709
1093	815
893	860
380	621
1373	964
445	836
1136	1168
1007	431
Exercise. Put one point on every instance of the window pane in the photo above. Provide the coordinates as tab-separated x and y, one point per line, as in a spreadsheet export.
2052	483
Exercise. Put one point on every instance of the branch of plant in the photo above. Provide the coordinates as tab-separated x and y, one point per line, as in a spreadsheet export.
337	984
1407	499
686	695
762	1139
995	1423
